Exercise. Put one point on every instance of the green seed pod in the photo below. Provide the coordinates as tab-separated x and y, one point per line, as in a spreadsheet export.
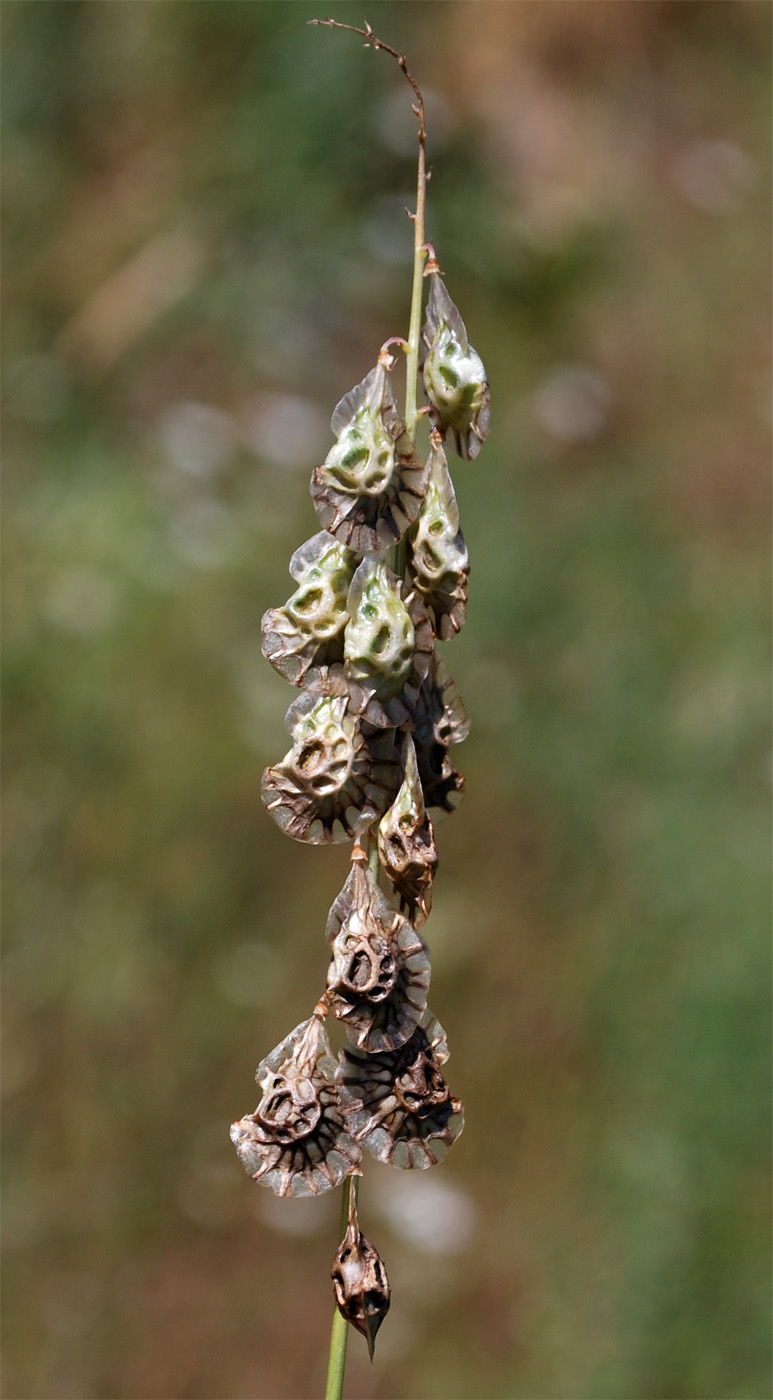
360	1280
371	484
379	639
398	1104
296	1141
307	633
439	562
379	974
388	644
336	779
454	378
406	843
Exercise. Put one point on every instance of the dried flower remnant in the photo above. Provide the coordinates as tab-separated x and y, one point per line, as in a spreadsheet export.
371	485
397	1104
440	564
307	633
406	843
296	1141
388	644
454	378
379	973
336	780
360	1280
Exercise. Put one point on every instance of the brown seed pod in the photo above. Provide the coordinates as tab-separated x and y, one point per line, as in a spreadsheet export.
439	562
398	1104
388	644
308	632
406	842
454	378
379	973
336	779
370	487
439	720
296	1142
360	1280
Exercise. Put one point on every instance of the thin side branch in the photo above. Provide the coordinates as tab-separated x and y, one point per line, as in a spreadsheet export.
372	42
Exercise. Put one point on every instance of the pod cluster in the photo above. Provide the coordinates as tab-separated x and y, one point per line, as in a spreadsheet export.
371	731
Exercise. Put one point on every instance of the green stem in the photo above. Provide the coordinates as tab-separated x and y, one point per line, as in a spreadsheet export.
414	332
419	248
371	847
340	1327
339	1331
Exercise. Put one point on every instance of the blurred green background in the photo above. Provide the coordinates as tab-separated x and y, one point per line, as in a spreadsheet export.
205	245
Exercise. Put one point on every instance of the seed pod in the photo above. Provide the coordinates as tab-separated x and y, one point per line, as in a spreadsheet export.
371	484
308	632
296	1142
388	644
439	562
398	1104
454	378
406	843
379	973
336	779
360	1280
440	720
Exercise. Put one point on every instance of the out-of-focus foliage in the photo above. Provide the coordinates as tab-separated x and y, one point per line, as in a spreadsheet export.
205	246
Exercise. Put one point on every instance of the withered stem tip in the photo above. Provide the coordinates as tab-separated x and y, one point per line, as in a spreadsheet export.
371	41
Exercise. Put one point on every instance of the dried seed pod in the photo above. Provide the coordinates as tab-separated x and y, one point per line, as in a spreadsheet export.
439	562
398	1104
454	378
371	484
308	632
388	644
336	779
406	843
439	720
360	1280
379	973
296	1142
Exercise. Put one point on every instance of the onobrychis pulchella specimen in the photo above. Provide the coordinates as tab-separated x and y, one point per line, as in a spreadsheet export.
384	580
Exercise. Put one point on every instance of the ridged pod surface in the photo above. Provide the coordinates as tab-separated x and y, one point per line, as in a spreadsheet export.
406	842
371	485
296	1141
308	632
439	720
336	779
388	644
398	1104
454	378
379	972
439	562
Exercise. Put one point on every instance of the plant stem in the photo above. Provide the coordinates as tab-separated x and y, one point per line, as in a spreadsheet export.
340	1327
371	847
419	248
339	1331
414	332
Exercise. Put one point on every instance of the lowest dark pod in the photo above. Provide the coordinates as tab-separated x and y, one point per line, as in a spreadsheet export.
360	1280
